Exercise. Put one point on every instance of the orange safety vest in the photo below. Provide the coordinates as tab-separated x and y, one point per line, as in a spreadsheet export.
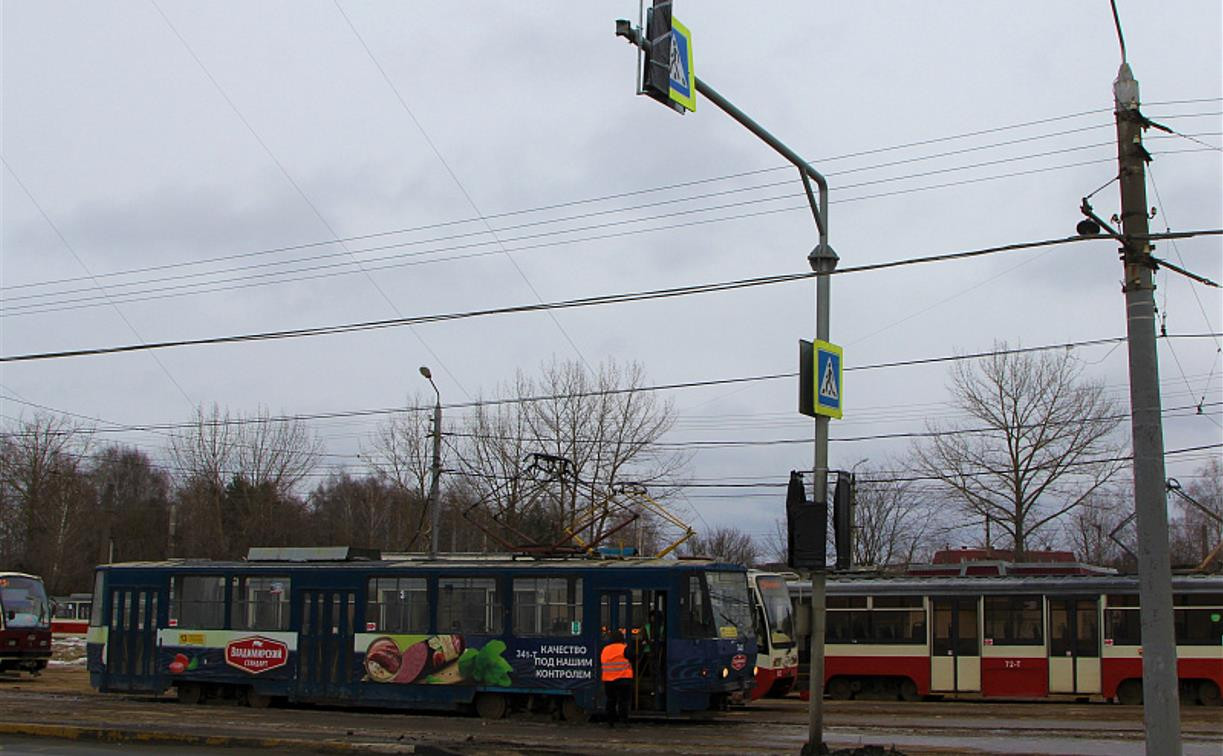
615	664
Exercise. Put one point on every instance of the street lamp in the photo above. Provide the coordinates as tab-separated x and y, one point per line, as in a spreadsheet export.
434	494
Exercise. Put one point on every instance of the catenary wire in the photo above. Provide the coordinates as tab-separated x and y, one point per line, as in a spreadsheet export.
318	262
607	299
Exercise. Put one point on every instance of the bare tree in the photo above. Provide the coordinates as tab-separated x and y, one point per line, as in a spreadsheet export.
1038	443
203	457
134	504
237	481
1195	533
604	426
402	456
1088	531
891	522
48	502
724	543
275	452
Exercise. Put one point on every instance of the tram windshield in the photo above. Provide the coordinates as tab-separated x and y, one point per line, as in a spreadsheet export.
732	609
24	602
777	610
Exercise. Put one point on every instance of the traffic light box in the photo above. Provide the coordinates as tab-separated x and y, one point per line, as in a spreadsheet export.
807	525
843	519
656	76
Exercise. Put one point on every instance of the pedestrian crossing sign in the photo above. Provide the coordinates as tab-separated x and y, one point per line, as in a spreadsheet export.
682	76
828	385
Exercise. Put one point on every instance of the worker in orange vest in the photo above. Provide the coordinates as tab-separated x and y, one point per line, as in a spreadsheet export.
617	678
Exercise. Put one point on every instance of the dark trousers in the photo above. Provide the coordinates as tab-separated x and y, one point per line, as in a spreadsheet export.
619	699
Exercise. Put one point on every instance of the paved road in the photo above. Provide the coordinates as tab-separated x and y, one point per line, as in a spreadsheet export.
60	703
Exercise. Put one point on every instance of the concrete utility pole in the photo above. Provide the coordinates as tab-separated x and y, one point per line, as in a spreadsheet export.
1161	704
435	501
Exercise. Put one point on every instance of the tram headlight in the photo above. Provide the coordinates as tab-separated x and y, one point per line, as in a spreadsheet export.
725	673
755	671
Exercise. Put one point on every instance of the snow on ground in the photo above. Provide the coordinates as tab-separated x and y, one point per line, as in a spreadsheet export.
68	651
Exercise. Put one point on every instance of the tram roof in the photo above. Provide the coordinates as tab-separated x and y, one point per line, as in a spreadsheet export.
442	562
11	573
848	585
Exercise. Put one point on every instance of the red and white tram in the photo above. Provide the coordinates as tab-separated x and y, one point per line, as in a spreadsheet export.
776	652
25	623
70	614
1025	636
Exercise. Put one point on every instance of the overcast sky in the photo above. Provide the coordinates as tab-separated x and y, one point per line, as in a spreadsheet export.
176	170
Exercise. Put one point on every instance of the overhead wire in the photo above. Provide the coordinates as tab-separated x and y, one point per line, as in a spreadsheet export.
309	268
573	203
115	305
705	383
1193	289
296	186
607	299
462	189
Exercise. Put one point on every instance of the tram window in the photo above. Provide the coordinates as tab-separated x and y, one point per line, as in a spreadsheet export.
197	601
1198	627
1123	599
397	605
897	602
730	603
260	602
845	602
839	626
1014	620
892	626
697	620
881	626
468	605
547	606
1124	626
1197	599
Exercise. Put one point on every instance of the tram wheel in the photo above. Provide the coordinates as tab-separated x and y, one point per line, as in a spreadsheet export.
1129	693
1208	693
840	688
908	690
190	694
491	705
255	700
572	712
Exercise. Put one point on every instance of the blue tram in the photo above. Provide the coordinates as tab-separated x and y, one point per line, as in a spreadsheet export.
489	634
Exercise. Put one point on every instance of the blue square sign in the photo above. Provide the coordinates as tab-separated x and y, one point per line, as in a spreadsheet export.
828	385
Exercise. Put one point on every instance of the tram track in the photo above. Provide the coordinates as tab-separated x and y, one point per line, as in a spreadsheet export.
62	698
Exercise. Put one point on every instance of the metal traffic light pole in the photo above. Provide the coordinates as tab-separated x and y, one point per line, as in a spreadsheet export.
823	261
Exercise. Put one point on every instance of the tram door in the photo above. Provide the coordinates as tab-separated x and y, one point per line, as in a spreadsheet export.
640	616
326	666
955	648
1074	645
131	645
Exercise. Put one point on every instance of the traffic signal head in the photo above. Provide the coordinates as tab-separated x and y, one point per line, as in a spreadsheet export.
843	519
656	74
806	527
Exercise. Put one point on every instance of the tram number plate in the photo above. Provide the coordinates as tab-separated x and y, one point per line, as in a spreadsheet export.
1011	664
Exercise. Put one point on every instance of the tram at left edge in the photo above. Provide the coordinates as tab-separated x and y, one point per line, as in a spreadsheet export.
25	623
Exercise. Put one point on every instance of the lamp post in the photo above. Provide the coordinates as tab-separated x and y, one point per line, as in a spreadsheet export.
434	493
